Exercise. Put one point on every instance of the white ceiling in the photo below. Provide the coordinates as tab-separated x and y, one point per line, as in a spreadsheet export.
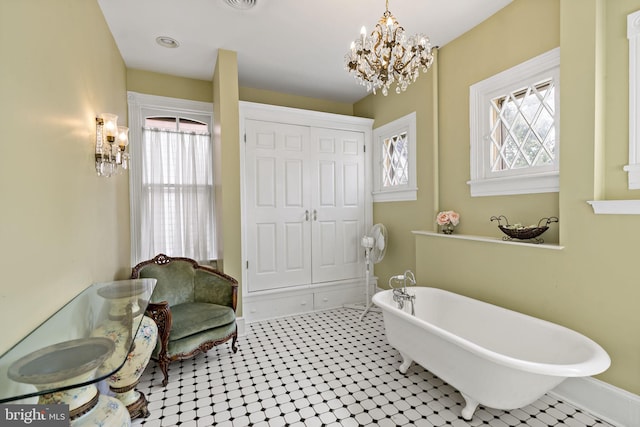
289	46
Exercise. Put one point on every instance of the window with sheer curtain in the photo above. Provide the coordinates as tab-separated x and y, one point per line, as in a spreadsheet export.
176	203
171	184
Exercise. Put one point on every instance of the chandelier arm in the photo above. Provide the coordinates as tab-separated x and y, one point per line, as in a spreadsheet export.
399	66
373	65
396	30
376	64
379	39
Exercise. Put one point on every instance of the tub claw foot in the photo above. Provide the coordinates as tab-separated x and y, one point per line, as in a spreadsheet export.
470	408
406	362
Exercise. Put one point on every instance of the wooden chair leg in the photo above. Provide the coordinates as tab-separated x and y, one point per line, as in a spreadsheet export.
234	347
164	367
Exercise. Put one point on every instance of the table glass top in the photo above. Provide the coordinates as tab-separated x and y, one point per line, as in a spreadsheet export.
84	342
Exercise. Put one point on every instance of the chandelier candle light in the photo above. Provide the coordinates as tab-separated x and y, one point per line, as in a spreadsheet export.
111	145
387	56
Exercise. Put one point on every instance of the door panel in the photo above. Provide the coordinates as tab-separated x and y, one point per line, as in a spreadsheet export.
265	182
324	248
351	173
265	243
351	235
338	175
278	228
294	234
293	181
327	184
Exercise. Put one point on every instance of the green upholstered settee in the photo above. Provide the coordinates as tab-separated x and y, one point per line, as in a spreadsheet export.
193	305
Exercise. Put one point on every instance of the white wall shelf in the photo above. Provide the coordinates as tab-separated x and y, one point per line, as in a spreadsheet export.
489	240
615	207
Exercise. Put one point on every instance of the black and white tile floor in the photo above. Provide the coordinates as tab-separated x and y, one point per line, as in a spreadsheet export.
321	369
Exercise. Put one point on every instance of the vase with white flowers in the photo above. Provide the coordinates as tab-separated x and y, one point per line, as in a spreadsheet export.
447	220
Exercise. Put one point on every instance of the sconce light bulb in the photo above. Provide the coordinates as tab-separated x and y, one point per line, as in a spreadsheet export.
110	126
123	136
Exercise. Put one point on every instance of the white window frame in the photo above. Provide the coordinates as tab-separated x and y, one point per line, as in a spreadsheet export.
633	34
141	106
409	191
629	207
539	179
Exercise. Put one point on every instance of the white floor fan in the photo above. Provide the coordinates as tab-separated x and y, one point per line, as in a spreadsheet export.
375	246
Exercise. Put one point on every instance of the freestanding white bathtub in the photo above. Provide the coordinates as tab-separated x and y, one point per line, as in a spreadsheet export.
495	357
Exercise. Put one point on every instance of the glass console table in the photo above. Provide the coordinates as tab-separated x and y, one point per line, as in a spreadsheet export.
92	338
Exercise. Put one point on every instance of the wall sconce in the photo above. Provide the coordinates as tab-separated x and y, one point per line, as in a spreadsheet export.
111	145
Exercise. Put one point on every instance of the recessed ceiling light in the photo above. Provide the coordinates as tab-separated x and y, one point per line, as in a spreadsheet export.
165	41
241	4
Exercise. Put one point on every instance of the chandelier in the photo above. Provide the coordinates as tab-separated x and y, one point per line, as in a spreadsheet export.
386	56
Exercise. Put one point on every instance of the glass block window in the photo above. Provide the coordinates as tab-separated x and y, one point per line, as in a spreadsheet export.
522	128
394	165
395	162
514	129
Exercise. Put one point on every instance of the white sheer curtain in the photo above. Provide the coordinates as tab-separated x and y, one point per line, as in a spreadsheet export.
176	205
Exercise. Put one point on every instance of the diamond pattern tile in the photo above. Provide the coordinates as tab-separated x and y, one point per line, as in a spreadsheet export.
322	369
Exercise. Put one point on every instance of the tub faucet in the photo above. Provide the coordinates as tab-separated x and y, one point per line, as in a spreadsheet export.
400	295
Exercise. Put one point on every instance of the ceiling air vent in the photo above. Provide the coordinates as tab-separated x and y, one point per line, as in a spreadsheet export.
241	4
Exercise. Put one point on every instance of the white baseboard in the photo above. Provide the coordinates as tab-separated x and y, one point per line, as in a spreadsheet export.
242	330
605	401
288	301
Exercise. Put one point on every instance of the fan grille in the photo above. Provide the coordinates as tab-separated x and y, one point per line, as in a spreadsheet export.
241	4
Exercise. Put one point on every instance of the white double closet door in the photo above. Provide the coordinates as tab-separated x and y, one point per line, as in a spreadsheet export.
305	207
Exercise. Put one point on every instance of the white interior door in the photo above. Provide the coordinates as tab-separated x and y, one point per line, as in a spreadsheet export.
278	217
338	204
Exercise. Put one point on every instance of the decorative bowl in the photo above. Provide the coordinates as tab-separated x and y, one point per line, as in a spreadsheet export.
520	232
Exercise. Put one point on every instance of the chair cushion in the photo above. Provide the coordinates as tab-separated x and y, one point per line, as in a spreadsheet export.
193	317
186	346
175	281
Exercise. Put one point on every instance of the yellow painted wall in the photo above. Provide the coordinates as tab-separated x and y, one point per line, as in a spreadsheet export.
294	101
591	284
202	90
401	218
61	227
171	86
227	162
